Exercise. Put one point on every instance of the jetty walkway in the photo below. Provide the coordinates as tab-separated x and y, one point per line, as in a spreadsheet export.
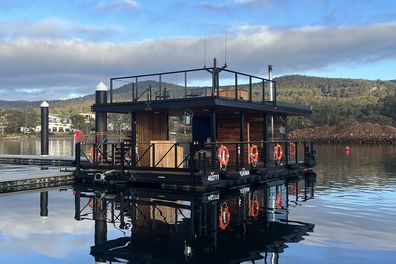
27	172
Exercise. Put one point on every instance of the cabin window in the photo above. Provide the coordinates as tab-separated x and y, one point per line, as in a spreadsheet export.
276	128
180	128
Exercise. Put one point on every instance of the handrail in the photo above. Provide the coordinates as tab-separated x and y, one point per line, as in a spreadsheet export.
240	158
97	147
146	91
257	141
184	160
144	153
215	75
160	73
248	75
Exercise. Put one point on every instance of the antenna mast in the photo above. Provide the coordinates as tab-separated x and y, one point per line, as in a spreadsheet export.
205	53
225	48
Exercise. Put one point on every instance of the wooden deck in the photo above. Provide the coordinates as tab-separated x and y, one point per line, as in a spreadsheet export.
20	178
38	160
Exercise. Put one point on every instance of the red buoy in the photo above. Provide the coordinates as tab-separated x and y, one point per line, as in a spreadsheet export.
347	150
78	135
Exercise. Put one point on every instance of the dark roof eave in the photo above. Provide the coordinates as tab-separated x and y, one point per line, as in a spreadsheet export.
127	107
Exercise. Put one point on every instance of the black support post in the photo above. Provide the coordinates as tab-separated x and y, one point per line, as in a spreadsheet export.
44	204
213	136
77	157
215	80
101	119
241	138
265	138
77	206
287	145
213	125
122	159
100	225
133	138
44	128
250	89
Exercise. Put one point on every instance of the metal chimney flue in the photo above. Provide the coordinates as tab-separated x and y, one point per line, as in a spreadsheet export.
271	94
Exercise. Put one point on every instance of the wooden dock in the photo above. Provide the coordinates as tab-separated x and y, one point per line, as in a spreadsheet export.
38	160
21	178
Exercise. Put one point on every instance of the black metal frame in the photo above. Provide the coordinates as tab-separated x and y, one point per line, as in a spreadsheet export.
161	94
202	159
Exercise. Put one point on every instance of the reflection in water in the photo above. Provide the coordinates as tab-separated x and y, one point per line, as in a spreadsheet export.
57	146
248	223
44	204
353	212
365	166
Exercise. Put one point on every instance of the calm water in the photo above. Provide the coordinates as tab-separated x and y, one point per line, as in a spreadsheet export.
57	147
347	216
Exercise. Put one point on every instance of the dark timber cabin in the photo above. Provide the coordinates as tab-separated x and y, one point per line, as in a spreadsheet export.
215	128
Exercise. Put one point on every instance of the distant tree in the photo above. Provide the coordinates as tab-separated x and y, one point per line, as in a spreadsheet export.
389	107
78	122
15	119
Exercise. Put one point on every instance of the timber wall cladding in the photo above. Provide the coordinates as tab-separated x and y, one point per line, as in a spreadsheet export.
228	128
255	127
228	131
149	127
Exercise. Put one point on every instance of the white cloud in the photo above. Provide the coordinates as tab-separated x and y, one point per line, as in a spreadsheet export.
70	66
119	5
250	1
54	27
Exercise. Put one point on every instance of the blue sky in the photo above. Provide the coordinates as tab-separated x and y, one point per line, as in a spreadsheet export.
59	49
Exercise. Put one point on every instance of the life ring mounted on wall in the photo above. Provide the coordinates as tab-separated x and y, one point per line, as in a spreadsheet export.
254	155
91	154
278	152
279	199
254	208
224	216
223	156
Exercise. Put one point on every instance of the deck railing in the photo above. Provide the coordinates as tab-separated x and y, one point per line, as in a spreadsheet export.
199	159
200	82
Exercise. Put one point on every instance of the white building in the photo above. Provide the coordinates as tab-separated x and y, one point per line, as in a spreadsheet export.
55	125
87	116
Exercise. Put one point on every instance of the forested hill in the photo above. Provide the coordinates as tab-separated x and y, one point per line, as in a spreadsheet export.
334	100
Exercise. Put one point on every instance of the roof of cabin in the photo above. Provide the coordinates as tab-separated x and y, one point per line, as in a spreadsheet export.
201	105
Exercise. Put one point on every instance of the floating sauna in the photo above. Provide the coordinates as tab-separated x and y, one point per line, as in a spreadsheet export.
207	127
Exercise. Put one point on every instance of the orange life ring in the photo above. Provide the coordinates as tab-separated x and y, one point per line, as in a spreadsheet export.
223	155
91	154
278	153
254	208
254	154
90	203
279	200
224	217
292	151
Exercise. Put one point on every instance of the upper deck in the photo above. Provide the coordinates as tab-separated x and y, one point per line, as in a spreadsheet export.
197	89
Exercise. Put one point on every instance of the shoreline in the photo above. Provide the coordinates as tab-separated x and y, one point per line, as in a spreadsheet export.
351	133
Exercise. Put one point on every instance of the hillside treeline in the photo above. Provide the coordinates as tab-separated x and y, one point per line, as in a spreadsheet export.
334	101
337	101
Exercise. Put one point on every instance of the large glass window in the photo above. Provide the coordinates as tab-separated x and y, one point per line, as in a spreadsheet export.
276	127
180	128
